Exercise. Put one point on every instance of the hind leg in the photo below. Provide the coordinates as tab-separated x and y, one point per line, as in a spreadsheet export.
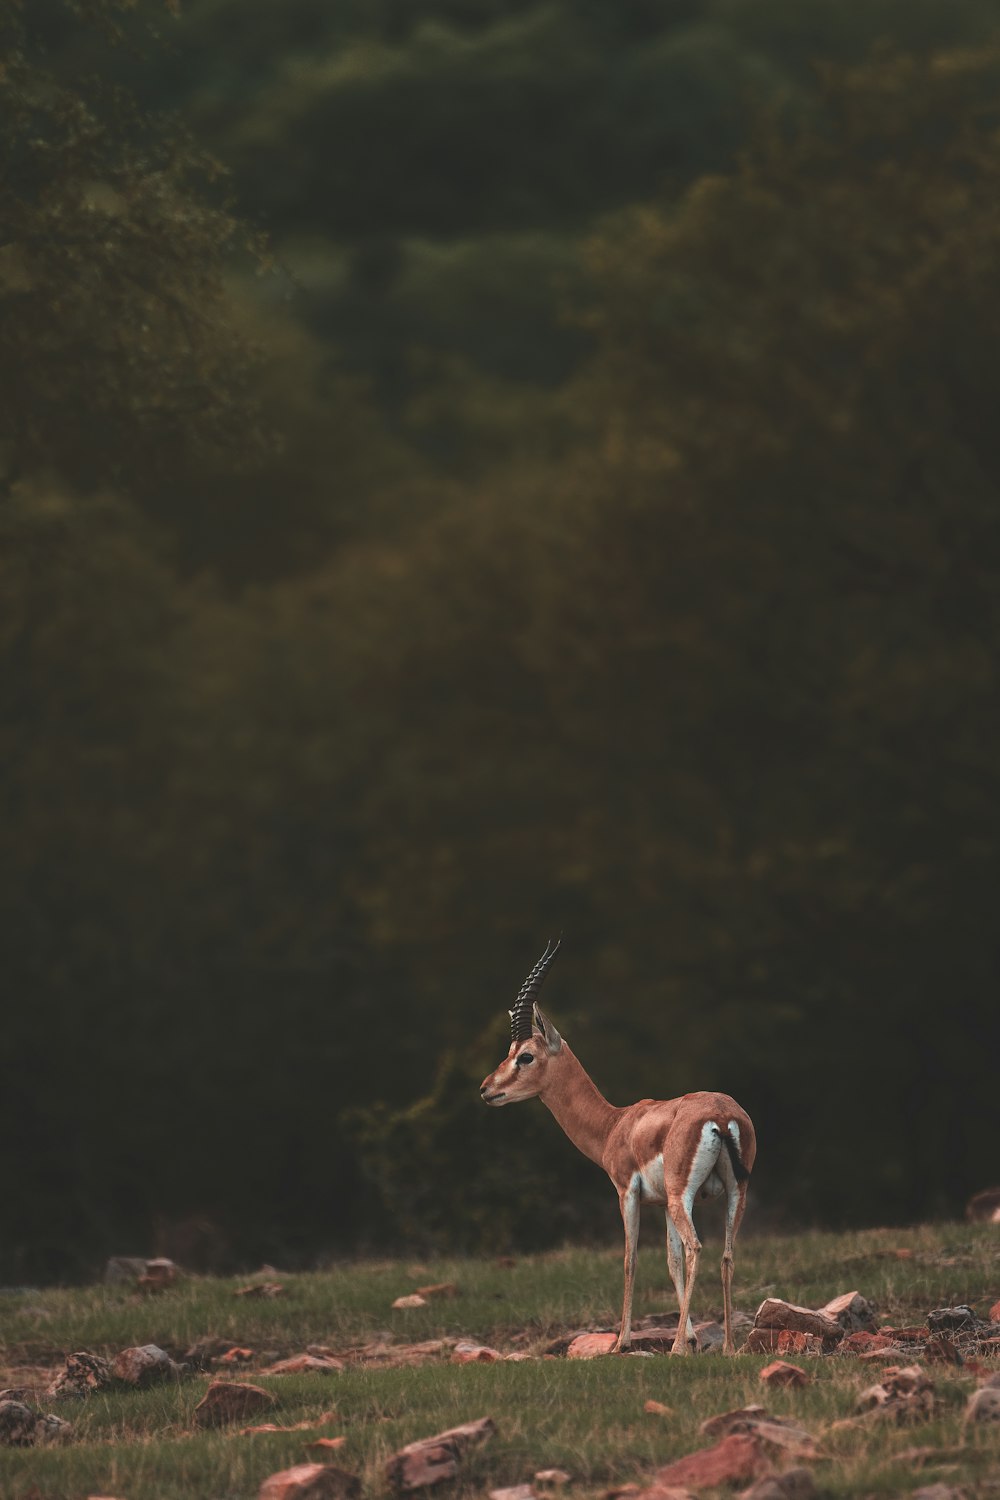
675	1265
684	1225
735	1204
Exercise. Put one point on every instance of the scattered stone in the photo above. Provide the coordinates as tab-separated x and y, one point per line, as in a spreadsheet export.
23	1426
551	1479
228	1401
413	1300
851	1311
235	1356
657	1409
984	1405
961	1317
124	1270
741	1419
310	1482
160	1273
775	1432
438	1289
431	1460
984	1207
738	1457
708	1336
994	1313
513	1492
864	1343
307	1364
794	1484
144	1366
782	1341
774	1313
208	1350
264	1289
325	1445
83	1374
396	1356
474	1354
780	1373
648	1340
906	1394
591	1345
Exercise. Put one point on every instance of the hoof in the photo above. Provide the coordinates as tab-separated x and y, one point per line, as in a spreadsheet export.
681	1346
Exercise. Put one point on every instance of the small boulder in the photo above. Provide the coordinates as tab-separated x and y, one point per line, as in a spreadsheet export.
310	1482
657	1409
83	1374
143	1366
781	1373
739	1457
591	1345
851	1311
786	1316
551	1479
22	1426
228	1401
307	1364
124	1270
513	1492
474	1354
952	1319
984	1405
431	1460
160	1273
413	1300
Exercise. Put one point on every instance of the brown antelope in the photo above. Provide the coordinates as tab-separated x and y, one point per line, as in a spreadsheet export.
665	1151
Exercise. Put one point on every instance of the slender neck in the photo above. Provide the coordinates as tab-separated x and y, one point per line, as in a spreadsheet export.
578	1105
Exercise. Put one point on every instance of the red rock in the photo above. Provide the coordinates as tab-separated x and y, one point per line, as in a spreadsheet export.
438	1289
774	1313
591	1345
994	1313
310	1482
738	1458
231	1401
431	1460
325	1445
781	1341
143	1366
851	1311
474	1354
235	1356
657	1409
781	1374
863	1343
306	1364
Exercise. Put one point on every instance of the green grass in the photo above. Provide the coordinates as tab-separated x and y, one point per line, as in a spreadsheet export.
586	1417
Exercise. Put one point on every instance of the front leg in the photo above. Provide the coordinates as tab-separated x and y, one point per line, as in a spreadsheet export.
628	1202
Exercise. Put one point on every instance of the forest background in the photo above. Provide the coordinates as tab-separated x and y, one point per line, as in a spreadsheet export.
471	471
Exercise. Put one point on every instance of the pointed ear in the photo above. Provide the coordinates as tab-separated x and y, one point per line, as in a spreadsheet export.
550	1035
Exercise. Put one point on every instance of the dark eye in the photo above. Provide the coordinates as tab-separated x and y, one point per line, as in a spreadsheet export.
526	1057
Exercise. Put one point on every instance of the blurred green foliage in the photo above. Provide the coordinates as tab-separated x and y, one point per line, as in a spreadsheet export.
582	516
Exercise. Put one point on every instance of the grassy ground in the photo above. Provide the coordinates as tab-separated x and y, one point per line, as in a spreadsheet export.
585	1417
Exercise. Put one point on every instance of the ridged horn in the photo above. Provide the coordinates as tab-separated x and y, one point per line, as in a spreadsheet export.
520	1015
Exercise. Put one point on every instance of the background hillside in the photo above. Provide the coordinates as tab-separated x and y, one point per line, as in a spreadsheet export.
471	472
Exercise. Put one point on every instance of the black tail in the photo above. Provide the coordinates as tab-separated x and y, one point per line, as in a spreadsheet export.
739	1170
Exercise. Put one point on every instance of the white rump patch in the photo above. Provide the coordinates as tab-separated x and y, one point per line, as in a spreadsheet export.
706	1154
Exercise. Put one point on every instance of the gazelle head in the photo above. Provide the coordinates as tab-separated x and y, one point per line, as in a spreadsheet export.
534	1042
